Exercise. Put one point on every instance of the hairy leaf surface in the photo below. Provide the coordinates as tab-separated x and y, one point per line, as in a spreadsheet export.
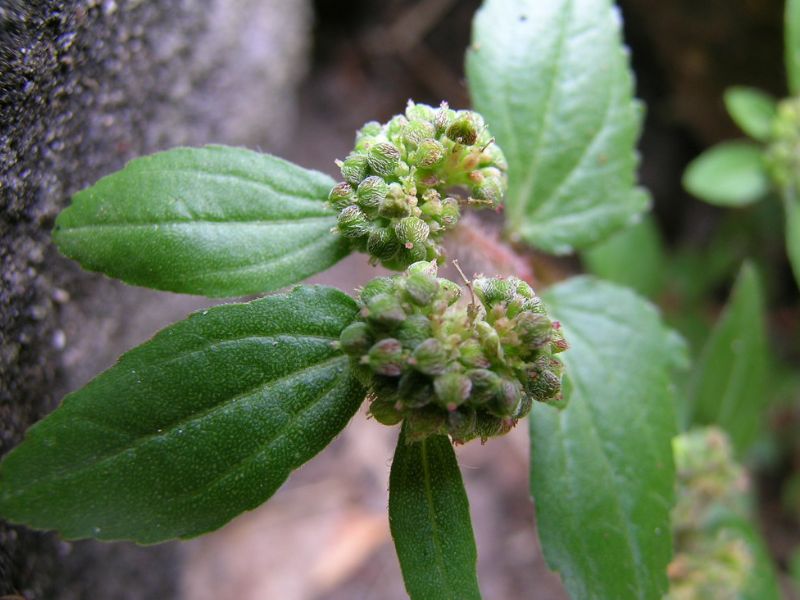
190	429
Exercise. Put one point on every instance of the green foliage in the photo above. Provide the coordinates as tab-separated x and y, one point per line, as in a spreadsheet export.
215	221
792	43
728	386
430	522
752	110
553	80
190	429
730	174
633	257
601	469
792	206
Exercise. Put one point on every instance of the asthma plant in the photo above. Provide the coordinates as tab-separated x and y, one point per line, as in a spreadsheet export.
208	418
740	173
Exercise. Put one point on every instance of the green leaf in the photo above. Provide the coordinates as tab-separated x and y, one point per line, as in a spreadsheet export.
728	387
730	174
429	518
792	206
553	81
792	41
602	472
633	257
752	110
190	429
215	221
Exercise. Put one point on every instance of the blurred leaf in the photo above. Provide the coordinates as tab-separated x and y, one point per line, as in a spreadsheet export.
728	387
553	81
752	110
188	430
430	522
730	174
633	257
602	472
792	206
792	41
216	221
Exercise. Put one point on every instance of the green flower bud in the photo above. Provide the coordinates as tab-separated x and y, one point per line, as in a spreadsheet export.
414	330
429	154
356	338
442	118
506	402
421	289
418	131
430	357
463	130
425	422
461	423
493	290
543	383
341	196
423	267
486	385
452	389
414	390
354	168
386	310
395	204
382	243
449	292
371	192
492	188
369	130
383	158
379	285
534	330
353	223
412	231
410	253
386	357
471	354
395	127
450	213
385	412
490	341
419	112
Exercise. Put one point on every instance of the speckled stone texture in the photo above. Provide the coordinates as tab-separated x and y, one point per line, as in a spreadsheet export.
84	87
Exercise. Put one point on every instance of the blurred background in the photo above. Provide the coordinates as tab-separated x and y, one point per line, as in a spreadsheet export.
87	85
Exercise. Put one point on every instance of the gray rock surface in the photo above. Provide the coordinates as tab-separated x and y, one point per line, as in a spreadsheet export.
85	85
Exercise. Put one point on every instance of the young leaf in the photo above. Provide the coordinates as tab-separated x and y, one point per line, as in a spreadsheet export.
792	206
602	472
429	518
752	110
215	221
190	429
633	257
552	80
730	174
728	385
792	41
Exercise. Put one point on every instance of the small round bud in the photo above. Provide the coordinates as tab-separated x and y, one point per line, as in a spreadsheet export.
412	252
472	355
506	402
534	330
418	131
493	290
383	158
450	291
341	196
379	285
383	243
356	338
463	130
429	154
386	357
452	389
395	204
461	423
369	130
419	112
386	310
412	231
414	330
485	385
353	223
430	357
371	192
354	168
450	213
421	289
491	189
442	118
425	422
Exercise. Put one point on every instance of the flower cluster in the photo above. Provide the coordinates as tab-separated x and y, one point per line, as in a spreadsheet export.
711	560
783	153
446	367
394	202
